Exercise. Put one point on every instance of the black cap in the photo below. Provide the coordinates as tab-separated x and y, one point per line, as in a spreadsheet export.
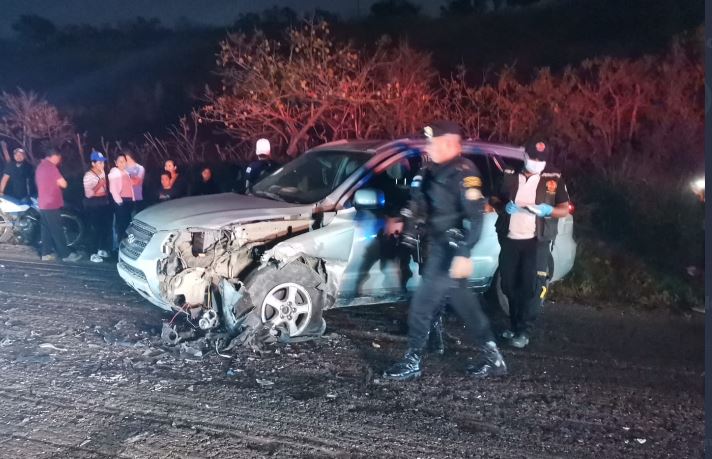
537	149
442	127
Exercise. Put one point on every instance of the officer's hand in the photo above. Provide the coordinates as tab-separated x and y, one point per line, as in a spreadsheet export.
512	208
461	268
541	210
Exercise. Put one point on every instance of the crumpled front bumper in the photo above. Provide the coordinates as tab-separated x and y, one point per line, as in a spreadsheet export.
141	273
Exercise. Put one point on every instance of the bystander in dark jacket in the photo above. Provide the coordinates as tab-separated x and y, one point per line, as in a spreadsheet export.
179	181
18	177
206	183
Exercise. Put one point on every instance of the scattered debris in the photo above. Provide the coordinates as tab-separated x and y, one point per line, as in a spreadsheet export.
33	359
171	336
376	345
192	348
641	440
137	437
217	351
52	346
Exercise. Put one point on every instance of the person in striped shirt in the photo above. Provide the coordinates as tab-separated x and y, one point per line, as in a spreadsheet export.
96	209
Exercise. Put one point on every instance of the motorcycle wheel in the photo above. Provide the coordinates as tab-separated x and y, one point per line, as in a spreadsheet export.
73	229
6	231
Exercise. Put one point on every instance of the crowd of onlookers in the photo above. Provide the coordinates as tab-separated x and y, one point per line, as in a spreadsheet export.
110	198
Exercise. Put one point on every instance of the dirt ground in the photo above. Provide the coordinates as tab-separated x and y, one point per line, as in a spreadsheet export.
83	374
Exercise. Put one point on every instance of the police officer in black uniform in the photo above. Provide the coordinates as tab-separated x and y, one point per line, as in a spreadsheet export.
451	188
260	167
529	204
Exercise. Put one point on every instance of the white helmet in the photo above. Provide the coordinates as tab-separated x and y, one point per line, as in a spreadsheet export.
262	147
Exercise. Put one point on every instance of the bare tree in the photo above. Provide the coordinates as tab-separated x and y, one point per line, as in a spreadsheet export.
26	118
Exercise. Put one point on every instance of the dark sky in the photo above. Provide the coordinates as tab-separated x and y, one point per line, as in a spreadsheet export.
169	11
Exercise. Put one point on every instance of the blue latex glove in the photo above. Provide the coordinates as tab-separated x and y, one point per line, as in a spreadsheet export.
511	208
541	210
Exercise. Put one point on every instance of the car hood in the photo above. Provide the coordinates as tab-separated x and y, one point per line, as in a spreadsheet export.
216	210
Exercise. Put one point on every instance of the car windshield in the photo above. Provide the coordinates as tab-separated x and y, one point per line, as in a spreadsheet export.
311	177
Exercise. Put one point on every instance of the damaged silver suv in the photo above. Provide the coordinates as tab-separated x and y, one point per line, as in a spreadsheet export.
310	237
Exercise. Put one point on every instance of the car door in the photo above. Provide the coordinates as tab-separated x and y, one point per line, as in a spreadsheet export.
485	253
377	266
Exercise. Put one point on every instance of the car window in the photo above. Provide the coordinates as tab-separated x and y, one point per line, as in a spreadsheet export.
497	166
502	163
393	177
311	177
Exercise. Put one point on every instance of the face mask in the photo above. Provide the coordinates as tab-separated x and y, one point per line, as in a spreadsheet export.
534	167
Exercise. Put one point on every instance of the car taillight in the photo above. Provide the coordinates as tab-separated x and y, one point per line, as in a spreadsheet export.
572	208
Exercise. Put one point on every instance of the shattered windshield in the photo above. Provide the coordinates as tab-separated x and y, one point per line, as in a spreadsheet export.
310	177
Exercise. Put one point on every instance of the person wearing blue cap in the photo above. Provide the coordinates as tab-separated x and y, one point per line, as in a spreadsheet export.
97	209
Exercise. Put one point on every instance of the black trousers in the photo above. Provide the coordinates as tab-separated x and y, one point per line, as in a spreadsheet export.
98	217
52	233
523	265
436	284
122	216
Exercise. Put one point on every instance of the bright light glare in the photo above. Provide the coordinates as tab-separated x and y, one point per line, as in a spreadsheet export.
698	185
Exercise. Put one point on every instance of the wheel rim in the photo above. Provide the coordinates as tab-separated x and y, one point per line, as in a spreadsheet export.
288	306
5	228
71	230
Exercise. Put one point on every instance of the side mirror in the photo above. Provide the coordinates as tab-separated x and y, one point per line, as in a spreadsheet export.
369	198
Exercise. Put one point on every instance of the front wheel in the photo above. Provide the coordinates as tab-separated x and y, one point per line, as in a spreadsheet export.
286	299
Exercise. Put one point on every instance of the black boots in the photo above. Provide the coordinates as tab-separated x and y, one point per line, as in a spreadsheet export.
406	368
492	363
436	343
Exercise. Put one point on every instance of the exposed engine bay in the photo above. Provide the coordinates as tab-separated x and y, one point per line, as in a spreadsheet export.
203	269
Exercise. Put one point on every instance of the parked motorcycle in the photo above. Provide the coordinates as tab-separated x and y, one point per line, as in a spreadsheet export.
20	222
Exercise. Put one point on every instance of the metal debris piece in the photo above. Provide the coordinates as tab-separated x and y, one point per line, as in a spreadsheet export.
52	346
191	350
209	320
169	335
